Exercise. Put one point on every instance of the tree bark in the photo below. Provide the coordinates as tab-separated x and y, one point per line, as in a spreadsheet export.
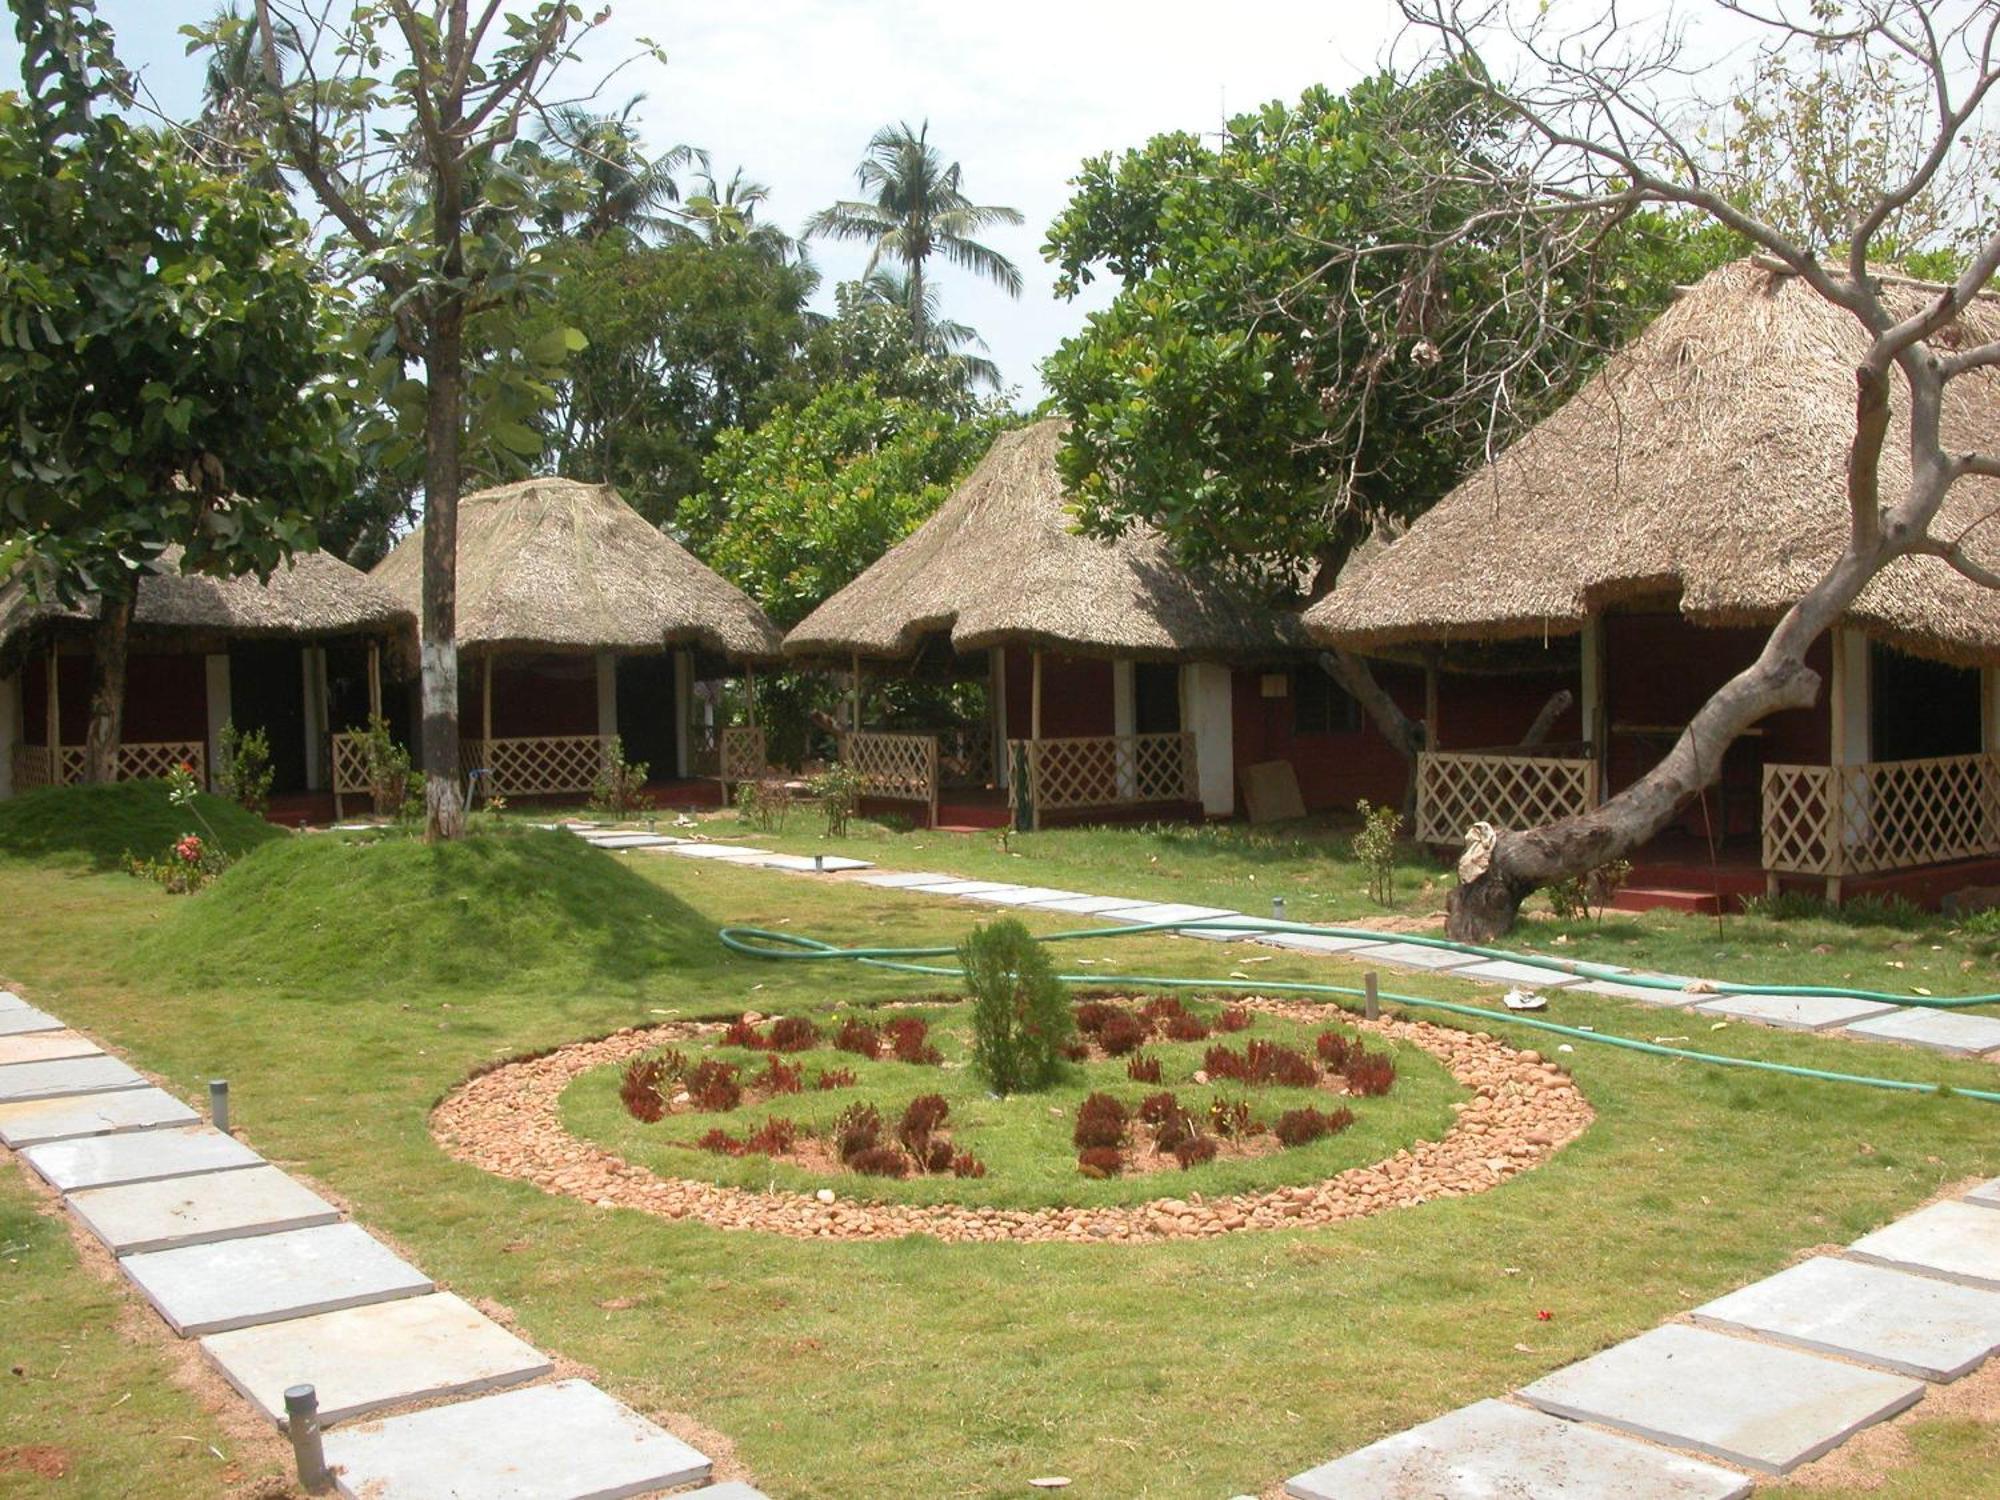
1406	736
107	689
444	368
1555	708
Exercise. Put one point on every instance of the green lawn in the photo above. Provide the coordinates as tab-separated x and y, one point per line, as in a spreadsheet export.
343	989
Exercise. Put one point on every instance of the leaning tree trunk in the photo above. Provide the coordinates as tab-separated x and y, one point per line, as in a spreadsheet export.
444	815
107	690
1486	902
1406	736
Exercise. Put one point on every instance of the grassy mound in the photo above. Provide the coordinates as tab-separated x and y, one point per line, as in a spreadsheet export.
100	824
352	919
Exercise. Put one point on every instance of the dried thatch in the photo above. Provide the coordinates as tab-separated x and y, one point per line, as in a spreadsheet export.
555	565
1705	462
314	596
999	564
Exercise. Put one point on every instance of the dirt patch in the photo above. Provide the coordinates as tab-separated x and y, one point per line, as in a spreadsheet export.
1523	1110
42	1460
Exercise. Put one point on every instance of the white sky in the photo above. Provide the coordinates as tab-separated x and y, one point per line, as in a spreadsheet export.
792	90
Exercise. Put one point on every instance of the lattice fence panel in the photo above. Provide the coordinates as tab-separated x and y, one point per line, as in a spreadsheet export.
350	764
898	767
1798	819
965	757
1904	813
1512	792
31	767
540	765
741	754
143	760
1111	770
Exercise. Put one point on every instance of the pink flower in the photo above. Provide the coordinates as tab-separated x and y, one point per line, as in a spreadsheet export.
188	850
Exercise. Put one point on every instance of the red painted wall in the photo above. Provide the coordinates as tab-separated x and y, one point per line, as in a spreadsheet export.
1076	695
166	697
532	695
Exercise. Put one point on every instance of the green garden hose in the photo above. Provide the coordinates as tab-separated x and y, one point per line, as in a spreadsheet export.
758	942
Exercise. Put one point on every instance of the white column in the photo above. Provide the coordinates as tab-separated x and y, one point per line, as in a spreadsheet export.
1124	721
1849	698
1205	699
607	693
215	668
313	661
684	709
10	731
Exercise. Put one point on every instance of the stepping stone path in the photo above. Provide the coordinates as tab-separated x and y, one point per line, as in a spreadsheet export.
1493	1449
1795	1012
282	1291
1920	1298
1947	1031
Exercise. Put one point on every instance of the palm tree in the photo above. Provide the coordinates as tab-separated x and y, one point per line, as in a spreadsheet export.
942	338
725	213
624	189
235	89
918	209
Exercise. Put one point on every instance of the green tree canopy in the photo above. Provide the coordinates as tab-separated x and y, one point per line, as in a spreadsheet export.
1262	413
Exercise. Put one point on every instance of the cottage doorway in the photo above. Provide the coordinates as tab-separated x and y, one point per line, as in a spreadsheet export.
646	710
267	691
1920	709
1156	698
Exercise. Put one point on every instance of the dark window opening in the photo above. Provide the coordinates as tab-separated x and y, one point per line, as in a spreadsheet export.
1320	705
1156	698
1919	709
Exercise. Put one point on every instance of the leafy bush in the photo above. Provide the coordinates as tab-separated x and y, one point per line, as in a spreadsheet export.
965	1164
859	1038
1143	1068
386	764
190	864
721	1142
621	784
794	1034
1369	1074
1093	1015
1233	1018
838	790
780	1078
1300	1127
774	1137
1374	849
713	1087
920	1121
246	767
744	1033
1195	1150
1156	1107
1021	1016
1333	1049
1186	1028
858	1128
833	1078
765	802
642	1090
1863	911
1100	1161
909	1042
1231	1118
1100	1121
880	1161
1587	895
1122	1034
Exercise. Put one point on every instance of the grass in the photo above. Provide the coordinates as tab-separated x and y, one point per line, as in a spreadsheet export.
909	1367
1023	1140
100	825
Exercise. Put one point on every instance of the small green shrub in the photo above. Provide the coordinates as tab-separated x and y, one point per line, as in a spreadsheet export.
1021	1017
621	784
246	767
386	764
838	789
766	803
1374	848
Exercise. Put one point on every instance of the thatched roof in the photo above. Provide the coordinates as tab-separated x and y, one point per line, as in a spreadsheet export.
314	595
1705	462
1000	564
556	565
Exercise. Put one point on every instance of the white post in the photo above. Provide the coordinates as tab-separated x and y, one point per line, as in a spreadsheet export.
684	708
1206	695
10	731
215	672
312	661
607	695
1124	723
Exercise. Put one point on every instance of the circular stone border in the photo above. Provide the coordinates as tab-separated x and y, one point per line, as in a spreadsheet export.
505	1120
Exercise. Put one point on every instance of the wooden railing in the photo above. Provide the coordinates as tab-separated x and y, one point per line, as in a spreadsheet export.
965	756
728	753
1880	815
145	760
545	765
1103	770
894	767
1510	790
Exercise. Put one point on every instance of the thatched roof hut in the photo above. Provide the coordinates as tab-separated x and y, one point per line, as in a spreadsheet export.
315	595
557	565
1000	563
1704	463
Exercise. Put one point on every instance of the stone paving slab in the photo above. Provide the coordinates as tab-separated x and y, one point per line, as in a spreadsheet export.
1941	1030
1506	971
1089	906
1958	1241
45	1046
628	840
1417	956
1027	895
1167	911
1491	1449
1795	1012
163	1215
361	1360
716	851
138	1156
1753	1404
11	1001
20	1082
19	1020
1987	1194
803	863
1916	1325
267	1277
567	1441
1636	992
736	1489
1322	942
29	1123
898	880
968	887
